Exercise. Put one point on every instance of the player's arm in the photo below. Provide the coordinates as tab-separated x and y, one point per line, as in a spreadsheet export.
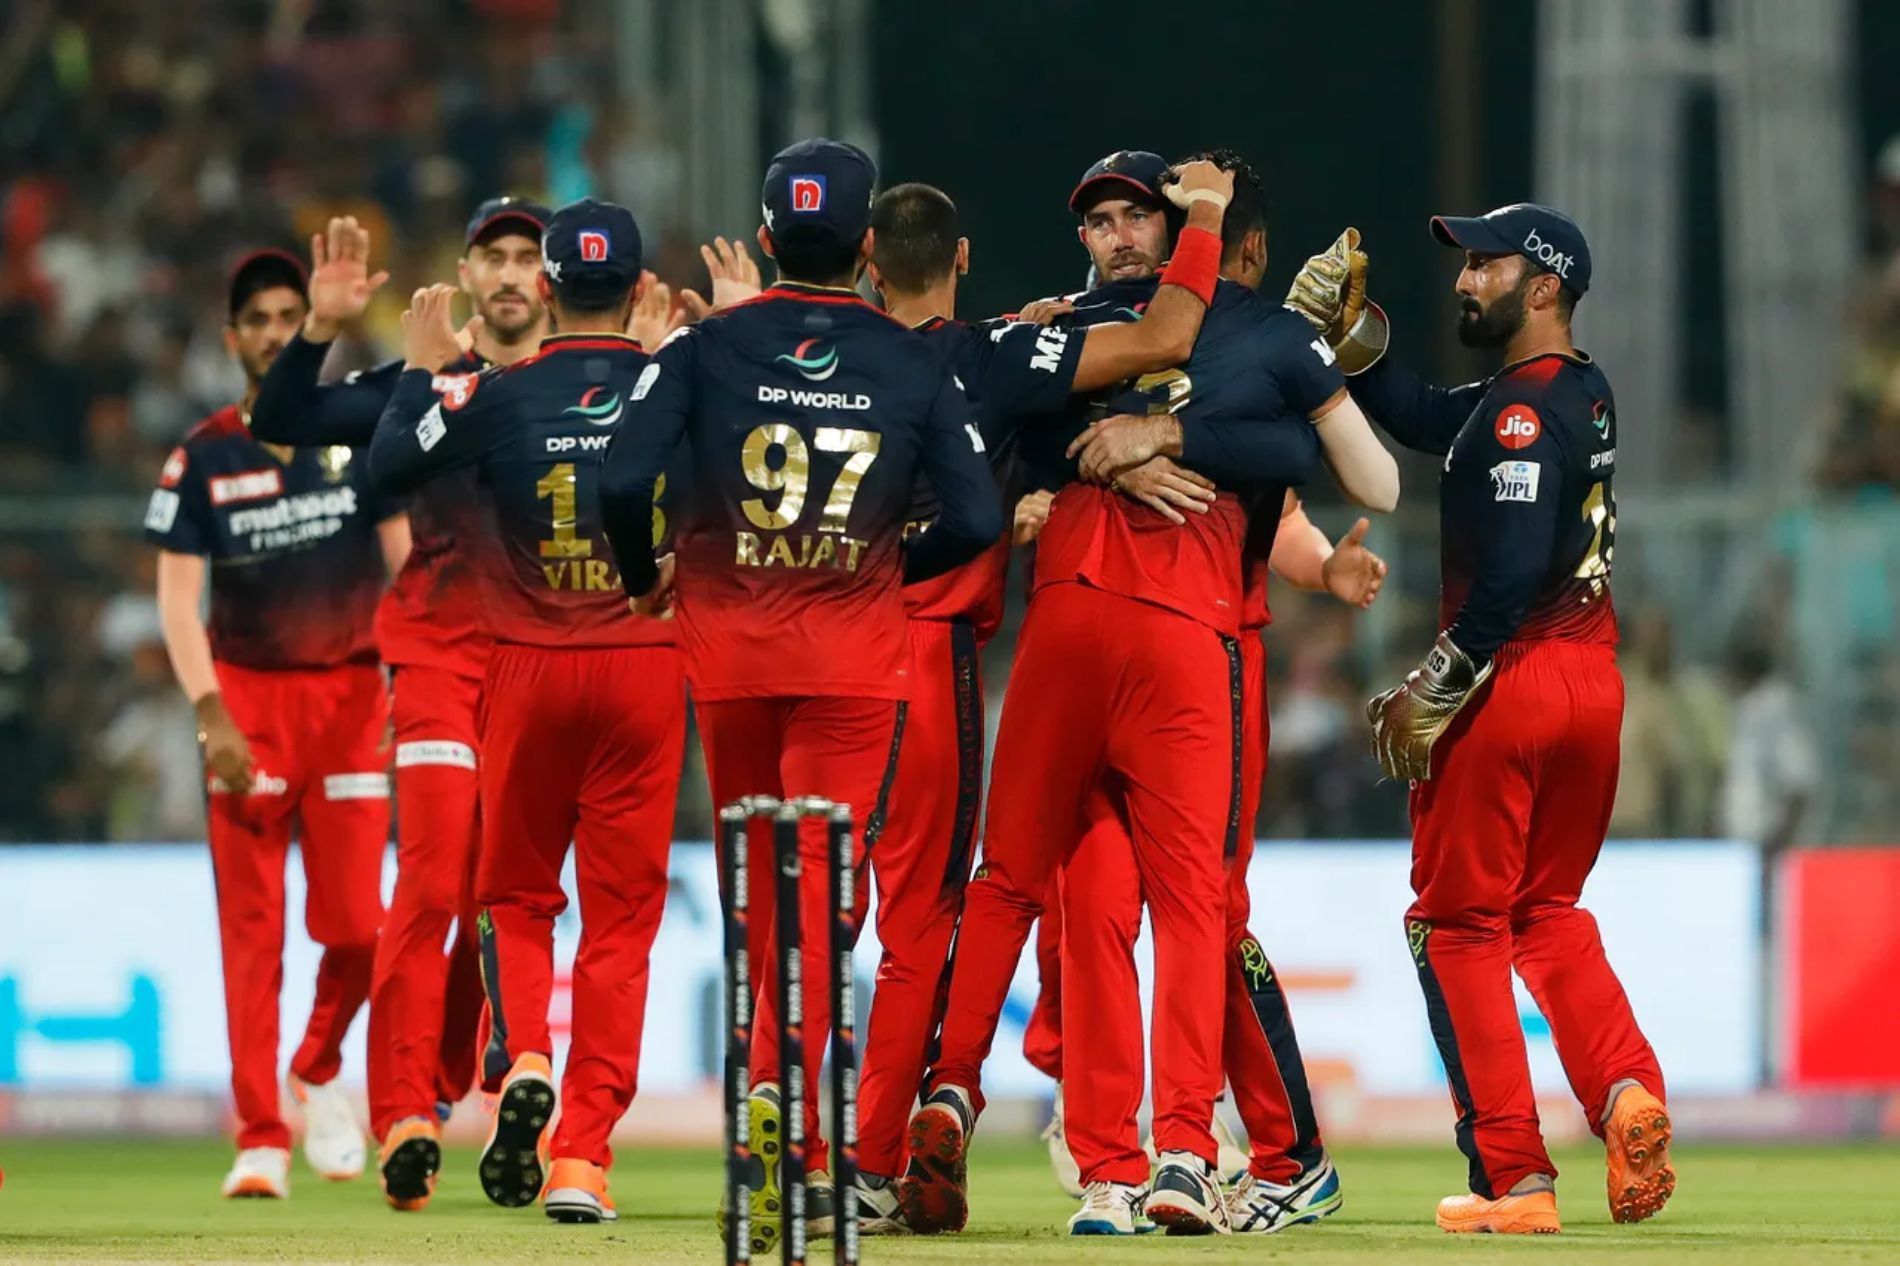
1517	525
1416	413
181	587
1360	465
1232	453
970	515
393	535
291	407
637	455
418	436
1306	558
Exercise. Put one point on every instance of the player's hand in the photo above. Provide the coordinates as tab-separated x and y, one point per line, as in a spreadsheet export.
1032	512
227	752
1352	573
1123	442
651	319
341	284
657	602
1410	717
428	332
1330	291
1043	311
1166	489
735	277
470	331
1199	181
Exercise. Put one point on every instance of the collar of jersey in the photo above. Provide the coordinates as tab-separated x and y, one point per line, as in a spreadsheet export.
588	342
1581	358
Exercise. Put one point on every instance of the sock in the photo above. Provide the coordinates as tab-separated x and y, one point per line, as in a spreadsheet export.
1609	1103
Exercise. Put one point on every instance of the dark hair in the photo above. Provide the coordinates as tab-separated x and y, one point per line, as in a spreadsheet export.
267	270
820	263
1248	210
1566	302
916	236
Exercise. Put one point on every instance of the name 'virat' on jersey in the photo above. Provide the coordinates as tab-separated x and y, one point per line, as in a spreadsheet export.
535	432
296	566
1254	363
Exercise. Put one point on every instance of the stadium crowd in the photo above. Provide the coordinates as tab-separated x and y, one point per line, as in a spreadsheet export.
141	154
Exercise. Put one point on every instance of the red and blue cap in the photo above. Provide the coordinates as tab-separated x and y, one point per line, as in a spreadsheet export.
818	191
507	214
1548	238
1126	171
591	253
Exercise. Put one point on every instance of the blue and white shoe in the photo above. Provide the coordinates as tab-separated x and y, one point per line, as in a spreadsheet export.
1261	1208
1111	1208
1187	1198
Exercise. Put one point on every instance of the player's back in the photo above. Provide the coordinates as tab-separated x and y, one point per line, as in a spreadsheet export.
1244	368
540	427
807	424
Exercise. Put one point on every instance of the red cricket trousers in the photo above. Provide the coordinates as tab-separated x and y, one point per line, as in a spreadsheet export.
425	1001
1503	836
1260	1055
1042	1036
844	749
581	745
920	863
316	738
1108	688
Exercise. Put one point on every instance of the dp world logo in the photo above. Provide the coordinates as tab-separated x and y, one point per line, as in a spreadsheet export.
812	364
605	413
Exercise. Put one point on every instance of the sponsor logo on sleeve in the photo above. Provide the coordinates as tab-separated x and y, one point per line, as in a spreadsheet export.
1325	353
1606	458
432	428
162	512
808	195
648	376
1051	342
1515	481
246	485
356	786
1518	426
174	469
435	752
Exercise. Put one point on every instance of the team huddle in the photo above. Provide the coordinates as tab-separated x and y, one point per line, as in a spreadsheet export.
793	511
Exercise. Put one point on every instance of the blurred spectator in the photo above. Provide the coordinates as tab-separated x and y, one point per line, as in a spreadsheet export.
1773	767
1675	738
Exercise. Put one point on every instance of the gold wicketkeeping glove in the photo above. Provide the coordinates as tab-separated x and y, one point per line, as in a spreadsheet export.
1330	291
1407	719
1365	341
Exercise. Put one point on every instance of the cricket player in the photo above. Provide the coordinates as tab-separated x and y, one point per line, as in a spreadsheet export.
1010	370
425	1003
1508	730
809	416
583	708
291	711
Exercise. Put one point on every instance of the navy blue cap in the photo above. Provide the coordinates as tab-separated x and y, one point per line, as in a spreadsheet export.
591	252
1135	169
522	215
1550	239
263	270
818	191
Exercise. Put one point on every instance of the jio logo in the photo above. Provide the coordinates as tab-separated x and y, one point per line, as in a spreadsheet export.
1518	427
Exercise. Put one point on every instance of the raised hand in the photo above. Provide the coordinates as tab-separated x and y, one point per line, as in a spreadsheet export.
428	332
651	319
341	284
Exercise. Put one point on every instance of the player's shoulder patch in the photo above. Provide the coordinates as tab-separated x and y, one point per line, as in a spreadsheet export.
455	390
173	471
1517	425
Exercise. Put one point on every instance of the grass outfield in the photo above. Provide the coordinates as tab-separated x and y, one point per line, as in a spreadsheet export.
157	1201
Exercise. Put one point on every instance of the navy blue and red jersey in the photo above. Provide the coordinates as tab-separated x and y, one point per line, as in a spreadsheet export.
1010	370
431	614
296	564
1526	513
1245	397
809	415
533	433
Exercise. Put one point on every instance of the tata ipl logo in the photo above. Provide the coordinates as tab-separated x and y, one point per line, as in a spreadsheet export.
810	364
1253	962
605	413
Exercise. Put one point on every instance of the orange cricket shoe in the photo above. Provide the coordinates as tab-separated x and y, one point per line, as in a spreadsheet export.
408	1162
1534	1213
1636	1147
514	1159
577	1192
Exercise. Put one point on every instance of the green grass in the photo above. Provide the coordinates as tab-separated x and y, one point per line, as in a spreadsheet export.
157	1201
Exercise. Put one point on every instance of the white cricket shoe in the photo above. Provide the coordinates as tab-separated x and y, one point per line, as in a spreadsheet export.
1068	1173
1187	1198
1261	1208
1111	1208
262	1172
332	1139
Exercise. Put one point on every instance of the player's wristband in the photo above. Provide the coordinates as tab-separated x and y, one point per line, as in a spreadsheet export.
1196	263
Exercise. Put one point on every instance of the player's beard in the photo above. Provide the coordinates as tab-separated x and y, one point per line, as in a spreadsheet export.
258	363
510	322
1137	262
1495	326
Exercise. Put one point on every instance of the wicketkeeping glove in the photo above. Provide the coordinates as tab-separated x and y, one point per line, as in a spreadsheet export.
1330	291
1407	719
